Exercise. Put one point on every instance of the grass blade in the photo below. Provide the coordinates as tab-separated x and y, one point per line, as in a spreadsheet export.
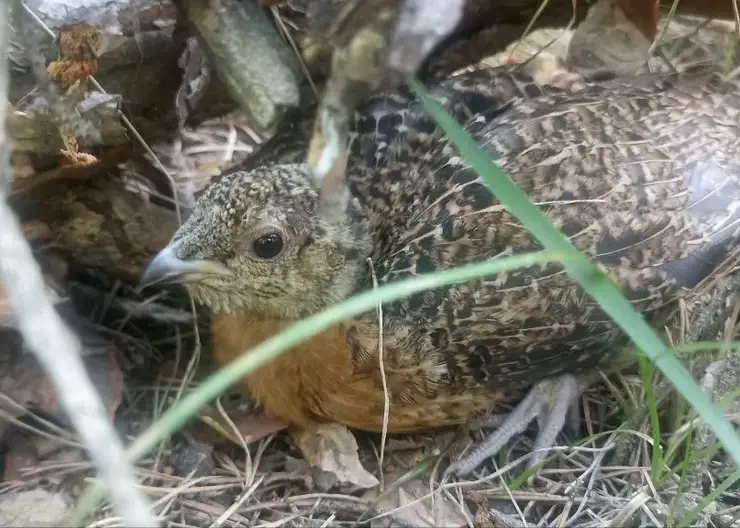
710	498
646	371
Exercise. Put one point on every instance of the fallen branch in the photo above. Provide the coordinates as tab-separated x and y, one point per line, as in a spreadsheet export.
259	69
54	345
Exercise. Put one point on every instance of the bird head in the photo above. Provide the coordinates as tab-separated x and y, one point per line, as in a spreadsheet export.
257	242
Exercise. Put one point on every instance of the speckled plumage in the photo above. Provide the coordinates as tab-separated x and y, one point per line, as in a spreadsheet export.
642	174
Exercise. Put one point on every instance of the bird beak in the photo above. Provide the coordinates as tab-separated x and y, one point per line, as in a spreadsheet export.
167	268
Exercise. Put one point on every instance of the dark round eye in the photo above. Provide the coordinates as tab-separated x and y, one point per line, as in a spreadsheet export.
268	246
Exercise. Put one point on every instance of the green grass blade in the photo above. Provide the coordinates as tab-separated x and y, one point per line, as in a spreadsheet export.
682	480
646	371
731	347
218	382
710	498
585	272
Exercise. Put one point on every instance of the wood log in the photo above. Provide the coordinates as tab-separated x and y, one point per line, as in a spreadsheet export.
33	129
98	222
266	80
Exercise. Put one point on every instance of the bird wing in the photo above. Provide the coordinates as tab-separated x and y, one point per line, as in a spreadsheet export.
642	175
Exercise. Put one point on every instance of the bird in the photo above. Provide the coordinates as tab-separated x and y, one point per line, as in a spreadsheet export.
641	174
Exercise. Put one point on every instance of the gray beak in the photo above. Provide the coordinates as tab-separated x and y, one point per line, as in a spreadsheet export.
166	268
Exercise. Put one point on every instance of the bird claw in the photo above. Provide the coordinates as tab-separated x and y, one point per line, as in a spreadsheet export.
550	401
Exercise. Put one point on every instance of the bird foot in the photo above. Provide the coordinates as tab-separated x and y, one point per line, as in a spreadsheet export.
550	401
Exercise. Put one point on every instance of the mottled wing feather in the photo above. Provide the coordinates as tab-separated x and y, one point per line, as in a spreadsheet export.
379	121
645	179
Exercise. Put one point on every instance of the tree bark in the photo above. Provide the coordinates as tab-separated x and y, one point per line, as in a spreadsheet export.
97	222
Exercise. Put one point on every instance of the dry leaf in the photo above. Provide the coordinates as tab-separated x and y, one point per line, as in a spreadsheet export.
37	507
111	39
546	67
78	47
195	79
194	461
482	519
24	451
609	40
71	152
332	448
438	510
252	425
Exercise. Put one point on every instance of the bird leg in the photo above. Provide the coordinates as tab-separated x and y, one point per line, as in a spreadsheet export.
550	401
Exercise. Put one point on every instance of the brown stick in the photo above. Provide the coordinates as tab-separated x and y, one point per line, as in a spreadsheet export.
260	70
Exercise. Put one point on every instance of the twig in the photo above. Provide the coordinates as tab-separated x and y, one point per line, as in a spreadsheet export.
381	362
299	57
54	345
664	29
422	24
265	81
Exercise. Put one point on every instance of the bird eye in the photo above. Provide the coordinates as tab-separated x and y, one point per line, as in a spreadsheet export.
268	246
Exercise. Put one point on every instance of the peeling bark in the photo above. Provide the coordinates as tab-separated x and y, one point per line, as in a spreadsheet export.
98	223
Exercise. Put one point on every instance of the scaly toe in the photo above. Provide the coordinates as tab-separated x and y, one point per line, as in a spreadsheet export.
549	401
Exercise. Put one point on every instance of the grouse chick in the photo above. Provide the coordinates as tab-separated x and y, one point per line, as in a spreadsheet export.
642	174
